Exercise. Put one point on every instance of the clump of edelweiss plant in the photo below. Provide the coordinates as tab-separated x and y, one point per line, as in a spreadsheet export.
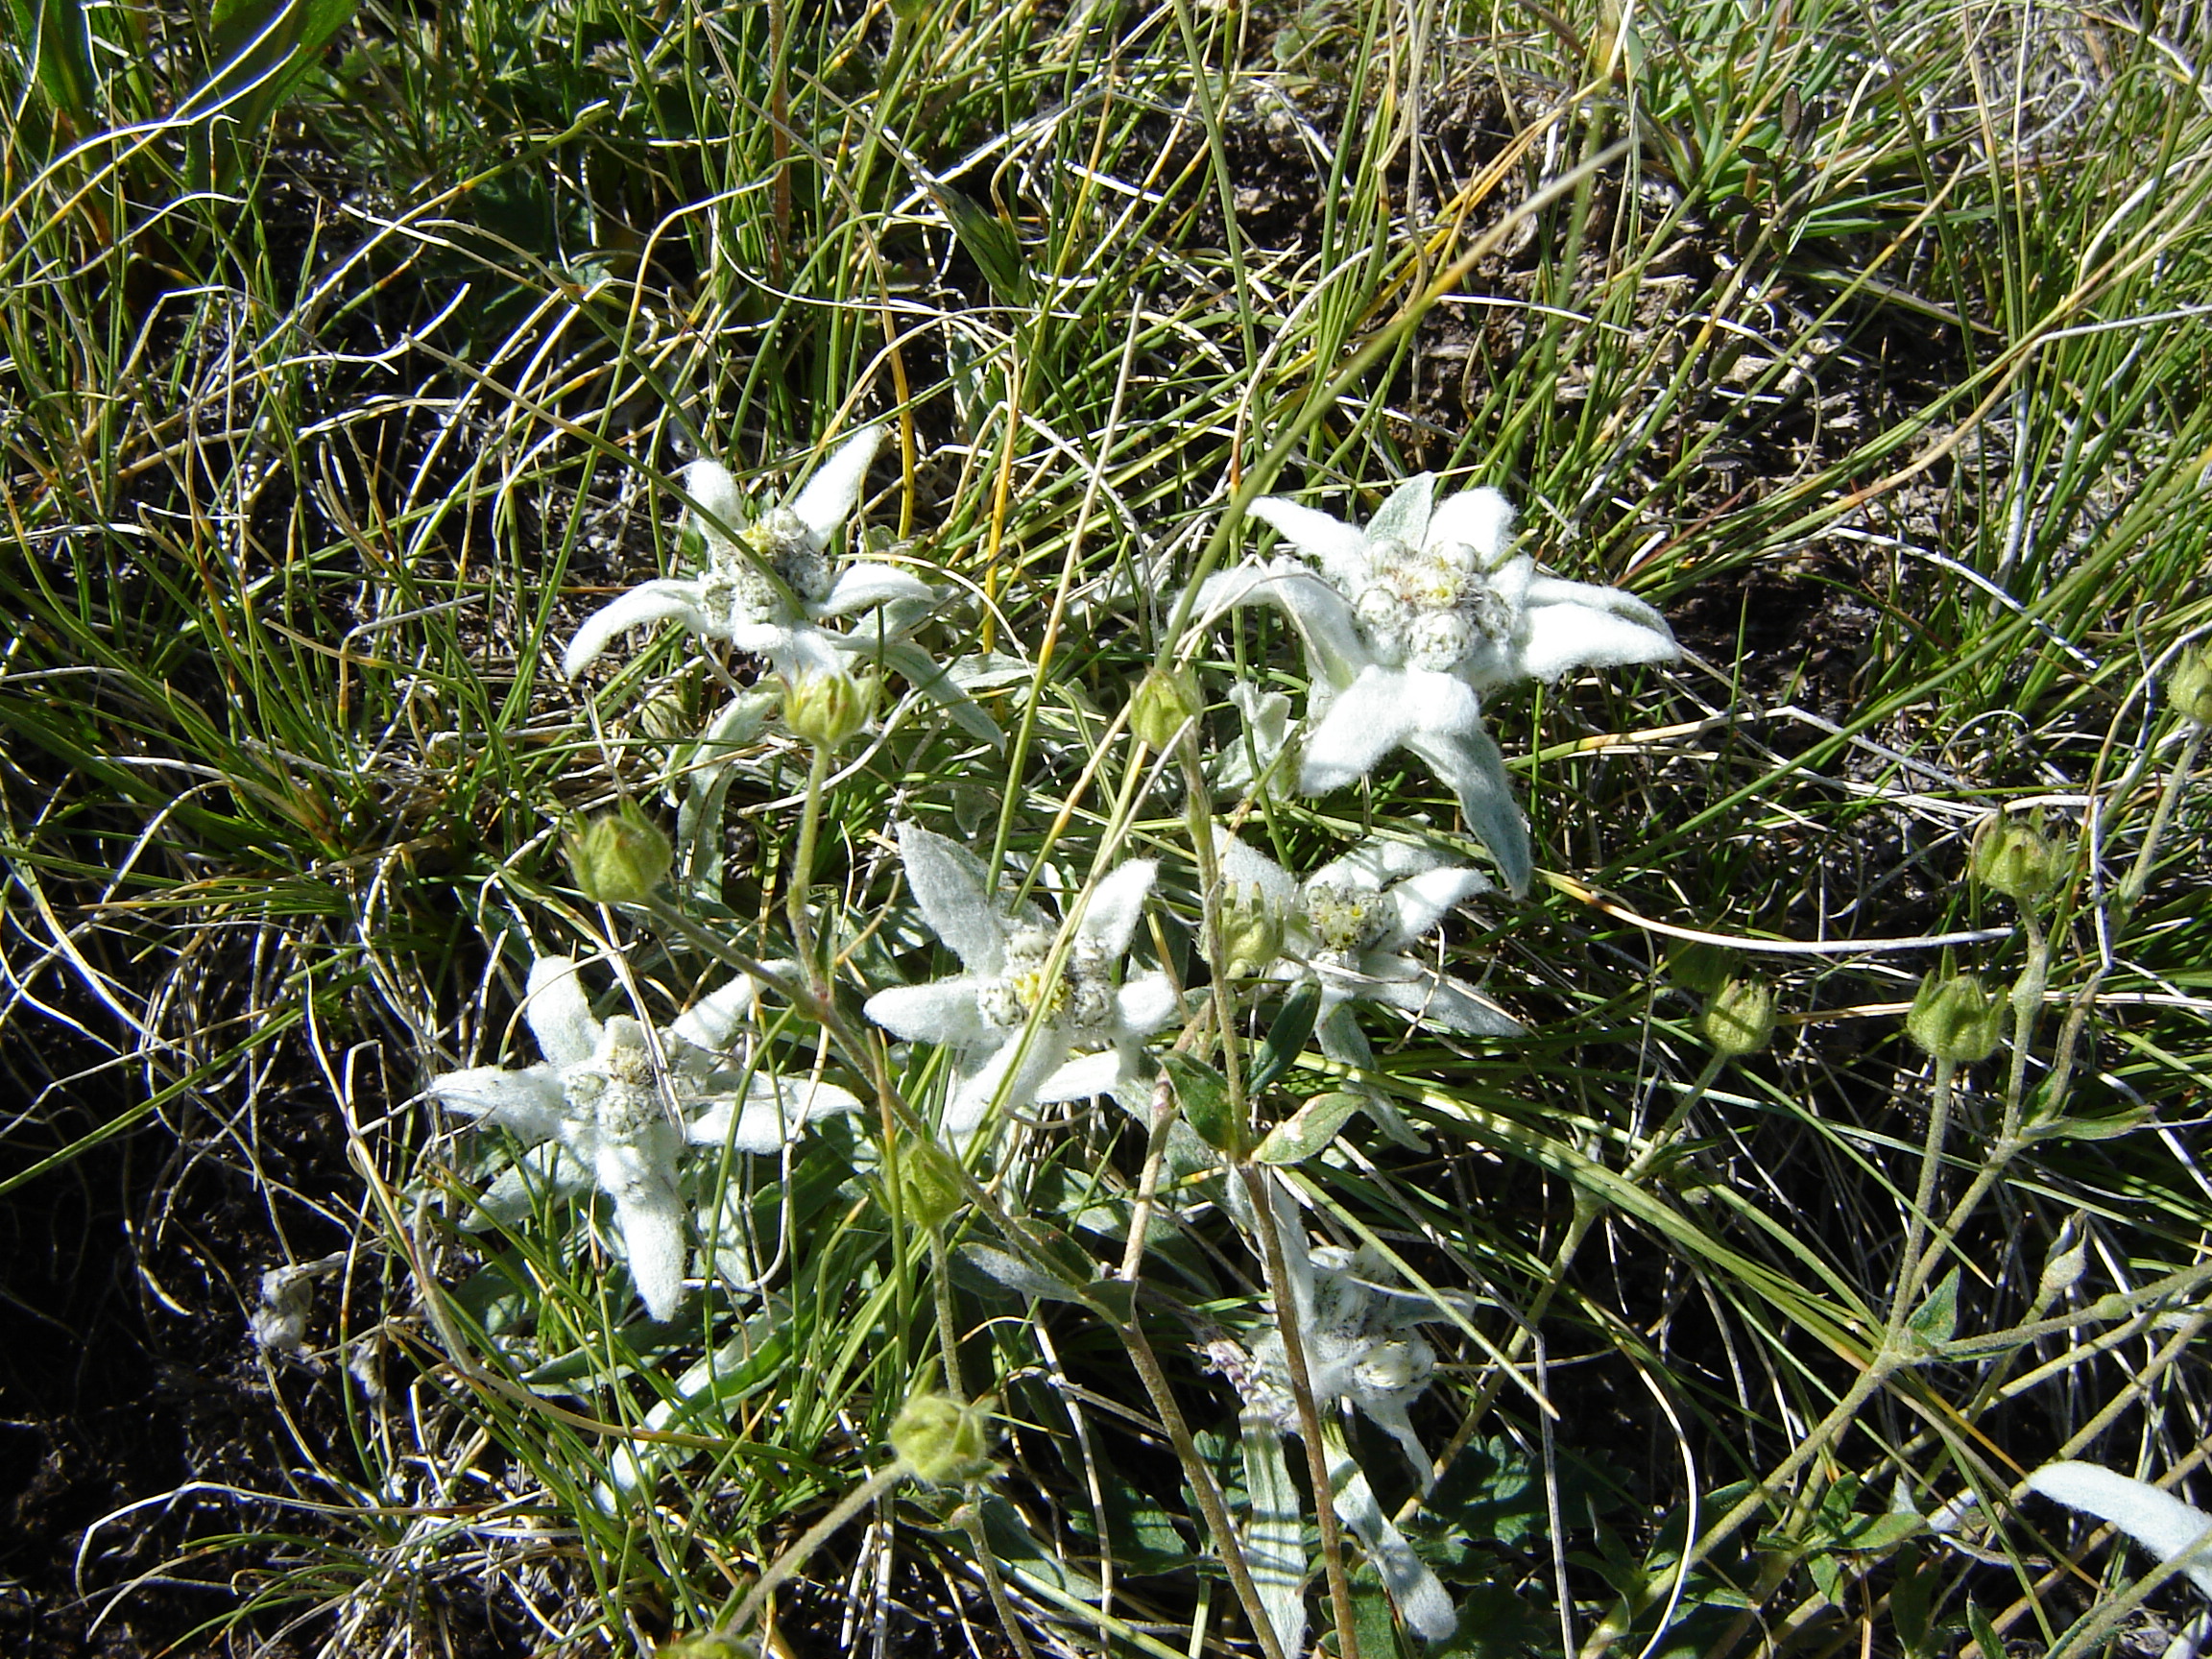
1408	621
1021	1031
613	1103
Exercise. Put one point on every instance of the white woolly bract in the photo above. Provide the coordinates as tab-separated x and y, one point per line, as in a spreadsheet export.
2158	1521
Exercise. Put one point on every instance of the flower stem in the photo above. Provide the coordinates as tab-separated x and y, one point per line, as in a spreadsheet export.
803	875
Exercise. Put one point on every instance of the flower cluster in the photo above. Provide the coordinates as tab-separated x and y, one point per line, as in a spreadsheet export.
1066	990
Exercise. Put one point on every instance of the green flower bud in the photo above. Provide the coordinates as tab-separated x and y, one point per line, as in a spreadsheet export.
1955	1018
825	709
1165	701
1251	932
942	1441
929	1182
1700	967
709	1645
2015	858
618	857
2189	684
1738	1018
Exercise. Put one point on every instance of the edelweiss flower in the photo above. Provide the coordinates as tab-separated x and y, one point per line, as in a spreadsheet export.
734	598
1409	620
1011	1023
1361	1351
1347	927
604	1105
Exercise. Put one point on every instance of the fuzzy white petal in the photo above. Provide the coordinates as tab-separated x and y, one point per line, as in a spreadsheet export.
1116	903
710	1023
1374	715
863	585
942	1010
1435	999
1424	900
529	1102
2158	1521
1374	863
1335	646
1479	518
1011	1076
712	486
1416	1591
1083	1076
836	487
1340	548
947	881
1147	1003
559	1017
1470	765
1559	638
639	1176
1543	592
775	1111
657	601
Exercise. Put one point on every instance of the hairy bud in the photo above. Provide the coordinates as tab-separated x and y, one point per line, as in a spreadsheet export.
825	708
1955	1018
1738	1018
2015	858
1165	701
1251	932
618	857
942	1441
2189	684
1699	966
928	1183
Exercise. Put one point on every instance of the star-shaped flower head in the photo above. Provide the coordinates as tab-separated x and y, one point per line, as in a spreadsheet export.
1022	1032
1348	927
1363	1351
769	584
615	1117
1409	620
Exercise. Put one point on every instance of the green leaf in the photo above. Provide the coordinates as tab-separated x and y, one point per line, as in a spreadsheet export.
1017	1275
1205	1096
988	240
64	68
1880	1531
1286	1038
1314	1126
1985	1635
1935	1319
258	52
